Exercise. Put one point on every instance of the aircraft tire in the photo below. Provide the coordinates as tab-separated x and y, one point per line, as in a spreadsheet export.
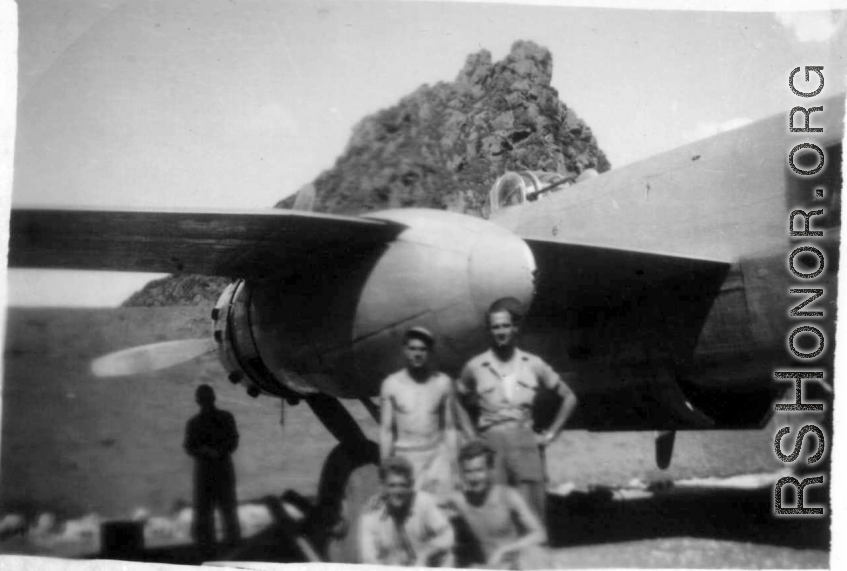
349	478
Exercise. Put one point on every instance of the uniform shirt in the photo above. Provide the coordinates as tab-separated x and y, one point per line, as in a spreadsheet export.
483	387
389	541
503	518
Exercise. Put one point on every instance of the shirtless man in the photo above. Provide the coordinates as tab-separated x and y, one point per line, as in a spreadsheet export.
417	417
503	532
501	385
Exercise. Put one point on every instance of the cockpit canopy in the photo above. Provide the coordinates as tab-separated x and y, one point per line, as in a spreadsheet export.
518	187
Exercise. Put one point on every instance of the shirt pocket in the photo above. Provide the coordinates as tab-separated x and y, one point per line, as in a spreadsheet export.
529	385
526	391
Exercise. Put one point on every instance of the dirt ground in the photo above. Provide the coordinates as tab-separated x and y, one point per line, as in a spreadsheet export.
73	444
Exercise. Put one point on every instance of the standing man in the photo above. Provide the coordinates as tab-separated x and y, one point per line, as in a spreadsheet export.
501	385
417	415
402	526
505	532
211	438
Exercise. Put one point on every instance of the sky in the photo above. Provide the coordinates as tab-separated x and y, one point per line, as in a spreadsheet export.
236	104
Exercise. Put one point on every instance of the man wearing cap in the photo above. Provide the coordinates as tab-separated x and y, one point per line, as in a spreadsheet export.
417	415
500	386
211	437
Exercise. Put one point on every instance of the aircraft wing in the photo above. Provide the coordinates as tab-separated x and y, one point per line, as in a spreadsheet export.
587	286
236	244
632	316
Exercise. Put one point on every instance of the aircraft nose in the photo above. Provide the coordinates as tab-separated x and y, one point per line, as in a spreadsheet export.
501	265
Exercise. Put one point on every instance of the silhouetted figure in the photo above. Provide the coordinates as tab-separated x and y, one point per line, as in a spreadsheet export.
211	437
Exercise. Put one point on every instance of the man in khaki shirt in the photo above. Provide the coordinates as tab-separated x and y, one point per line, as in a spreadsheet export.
402	526
501	386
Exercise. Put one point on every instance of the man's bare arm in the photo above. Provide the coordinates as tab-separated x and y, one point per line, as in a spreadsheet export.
569	401
438	545
441	540
464	421
386	423
565	410
448	411
535	532
460	395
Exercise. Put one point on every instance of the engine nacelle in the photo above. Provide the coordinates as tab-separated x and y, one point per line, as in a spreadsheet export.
337	328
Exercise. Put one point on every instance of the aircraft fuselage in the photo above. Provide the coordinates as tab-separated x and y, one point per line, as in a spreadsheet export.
663	286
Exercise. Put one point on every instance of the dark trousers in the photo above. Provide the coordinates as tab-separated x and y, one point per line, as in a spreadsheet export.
214	487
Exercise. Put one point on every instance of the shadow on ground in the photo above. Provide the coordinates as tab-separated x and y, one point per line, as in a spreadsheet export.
584	518
596	518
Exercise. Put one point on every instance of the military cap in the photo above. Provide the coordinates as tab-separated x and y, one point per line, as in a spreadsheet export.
420	333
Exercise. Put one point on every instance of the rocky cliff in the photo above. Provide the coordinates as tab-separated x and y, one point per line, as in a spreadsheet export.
442	146
179	290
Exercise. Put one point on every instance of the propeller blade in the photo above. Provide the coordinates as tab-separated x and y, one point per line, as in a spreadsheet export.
153	357
305	199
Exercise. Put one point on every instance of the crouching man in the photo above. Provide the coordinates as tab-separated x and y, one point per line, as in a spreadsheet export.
502	530
402	526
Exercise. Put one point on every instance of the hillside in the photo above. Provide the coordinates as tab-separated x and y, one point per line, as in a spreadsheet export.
442	146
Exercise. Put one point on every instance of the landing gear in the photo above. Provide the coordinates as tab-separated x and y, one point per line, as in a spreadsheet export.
348	480
664	448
